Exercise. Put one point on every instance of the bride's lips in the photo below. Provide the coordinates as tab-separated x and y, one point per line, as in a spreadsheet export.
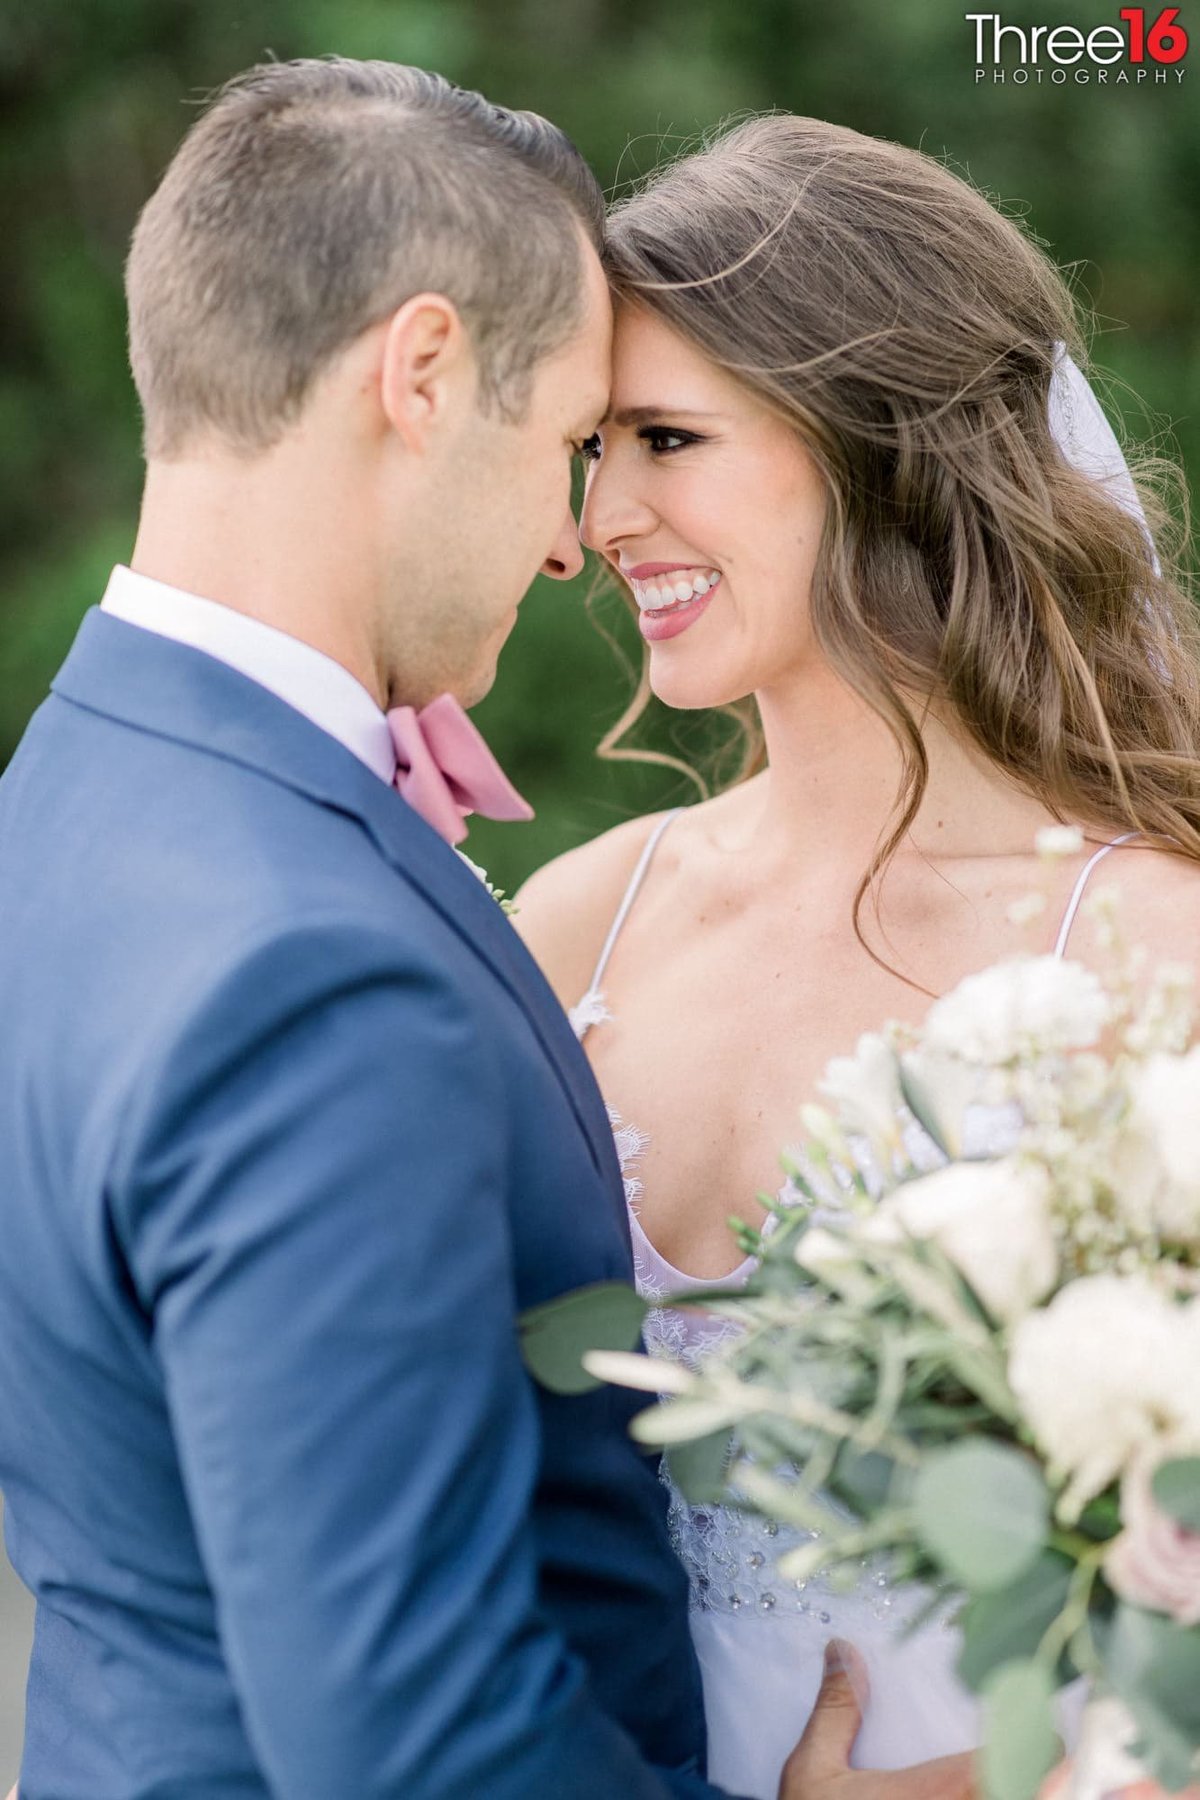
666	607
655	627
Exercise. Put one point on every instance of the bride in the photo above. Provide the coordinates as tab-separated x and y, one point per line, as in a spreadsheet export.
833	481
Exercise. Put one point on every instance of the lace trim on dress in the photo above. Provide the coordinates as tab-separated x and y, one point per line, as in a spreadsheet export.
665	1329
630	1144
591	1010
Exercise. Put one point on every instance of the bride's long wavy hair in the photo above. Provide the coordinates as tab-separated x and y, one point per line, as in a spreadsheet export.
907	331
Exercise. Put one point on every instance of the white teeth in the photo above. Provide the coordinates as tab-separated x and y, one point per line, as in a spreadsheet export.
670	591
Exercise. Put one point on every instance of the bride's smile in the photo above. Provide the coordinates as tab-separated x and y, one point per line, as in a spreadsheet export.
695	483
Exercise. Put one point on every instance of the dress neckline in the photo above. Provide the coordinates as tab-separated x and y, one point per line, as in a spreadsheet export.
684	1282
592	1009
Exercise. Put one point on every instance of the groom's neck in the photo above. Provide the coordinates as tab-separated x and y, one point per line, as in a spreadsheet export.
269	537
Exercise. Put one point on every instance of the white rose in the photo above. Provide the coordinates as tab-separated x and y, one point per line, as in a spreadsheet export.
1165	1113
1155	1562
992	1219
865	1088
1103	1373
1132	1170
1026	1006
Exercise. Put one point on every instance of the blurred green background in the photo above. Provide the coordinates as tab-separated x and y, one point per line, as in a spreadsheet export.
96	93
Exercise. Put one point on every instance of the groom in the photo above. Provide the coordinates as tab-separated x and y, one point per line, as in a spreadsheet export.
291	1129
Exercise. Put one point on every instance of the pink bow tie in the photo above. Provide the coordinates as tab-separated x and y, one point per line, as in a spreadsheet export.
445	770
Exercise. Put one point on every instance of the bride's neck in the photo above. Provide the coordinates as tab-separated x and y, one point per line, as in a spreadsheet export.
834	776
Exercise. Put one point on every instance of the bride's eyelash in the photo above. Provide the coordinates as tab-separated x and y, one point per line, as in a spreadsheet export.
663	440
657	436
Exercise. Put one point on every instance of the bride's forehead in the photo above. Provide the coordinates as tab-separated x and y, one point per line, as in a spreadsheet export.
649	352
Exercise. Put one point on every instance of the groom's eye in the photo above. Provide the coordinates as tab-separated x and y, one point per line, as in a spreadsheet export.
589	450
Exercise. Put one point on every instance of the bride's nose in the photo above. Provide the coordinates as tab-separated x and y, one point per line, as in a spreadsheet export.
612	511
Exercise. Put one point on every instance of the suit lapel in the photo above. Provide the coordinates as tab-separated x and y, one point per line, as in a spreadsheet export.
174	691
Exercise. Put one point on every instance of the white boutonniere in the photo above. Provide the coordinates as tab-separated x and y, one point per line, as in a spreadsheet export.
498	895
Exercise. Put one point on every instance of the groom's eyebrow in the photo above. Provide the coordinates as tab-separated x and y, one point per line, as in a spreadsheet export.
646	415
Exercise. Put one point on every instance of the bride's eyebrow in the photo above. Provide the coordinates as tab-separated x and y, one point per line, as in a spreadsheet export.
649	415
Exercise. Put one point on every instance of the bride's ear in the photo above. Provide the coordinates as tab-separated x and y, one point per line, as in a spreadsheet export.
427	369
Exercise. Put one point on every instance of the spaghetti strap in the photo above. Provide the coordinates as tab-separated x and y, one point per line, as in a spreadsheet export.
630	895
590	1009
1068	919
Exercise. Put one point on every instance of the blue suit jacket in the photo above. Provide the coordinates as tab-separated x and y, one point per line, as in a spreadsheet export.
291	1129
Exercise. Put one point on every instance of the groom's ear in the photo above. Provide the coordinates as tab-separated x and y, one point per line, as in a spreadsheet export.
427	365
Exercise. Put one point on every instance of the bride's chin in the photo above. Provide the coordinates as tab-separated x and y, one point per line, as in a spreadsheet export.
691	690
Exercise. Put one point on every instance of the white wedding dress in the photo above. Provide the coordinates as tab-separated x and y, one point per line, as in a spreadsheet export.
759	1639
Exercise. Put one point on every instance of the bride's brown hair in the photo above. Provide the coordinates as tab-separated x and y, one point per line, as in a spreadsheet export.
907	330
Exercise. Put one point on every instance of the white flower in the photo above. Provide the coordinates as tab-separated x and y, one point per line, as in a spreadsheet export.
1105	1371
947	1088
1059	840
1155	1562
498	895
1026	1006
865	1088
1104	1762
1025	910
820	1250
1134	1175
992	1219
833	1258
1165	1113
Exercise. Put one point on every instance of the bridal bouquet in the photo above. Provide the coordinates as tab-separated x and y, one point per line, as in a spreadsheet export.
972	1350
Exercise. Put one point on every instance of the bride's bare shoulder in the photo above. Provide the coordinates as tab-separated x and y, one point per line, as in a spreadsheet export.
564	910
1158	894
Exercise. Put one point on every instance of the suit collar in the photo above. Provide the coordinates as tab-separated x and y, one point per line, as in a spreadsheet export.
174	691
305	677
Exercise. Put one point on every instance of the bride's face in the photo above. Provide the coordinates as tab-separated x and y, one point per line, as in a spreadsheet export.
711	509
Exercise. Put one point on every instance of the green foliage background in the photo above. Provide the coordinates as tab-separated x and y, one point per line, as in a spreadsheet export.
96	93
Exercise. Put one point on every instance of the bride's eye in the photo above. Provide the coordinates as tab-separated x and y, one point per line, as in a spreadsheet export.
662	439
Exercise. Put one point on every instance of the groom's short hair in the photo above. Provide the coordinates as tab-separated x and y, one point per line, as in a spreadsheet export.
312	199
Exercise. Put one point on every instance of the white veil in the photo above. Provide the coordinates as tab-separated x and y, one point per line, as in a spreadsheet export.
1084	435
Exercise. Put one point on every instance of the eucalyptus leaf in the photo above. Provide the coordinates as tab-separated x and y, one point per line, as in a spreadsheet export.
865	1480
556	1335
1176	1487
698	1468
983	1510
678	1421
1153	1664
1020	1745
1009	1625
920	1104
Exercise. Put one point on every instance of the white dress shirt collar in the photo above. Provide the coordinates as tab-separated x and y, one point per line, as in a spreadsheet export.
305	678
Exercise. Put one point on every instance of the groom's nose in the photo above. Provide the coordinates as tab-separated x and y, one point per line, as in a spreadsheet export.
566	554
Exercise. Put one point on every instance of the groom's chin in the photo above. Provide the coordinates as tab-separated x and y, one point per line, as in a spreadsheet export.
479	686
